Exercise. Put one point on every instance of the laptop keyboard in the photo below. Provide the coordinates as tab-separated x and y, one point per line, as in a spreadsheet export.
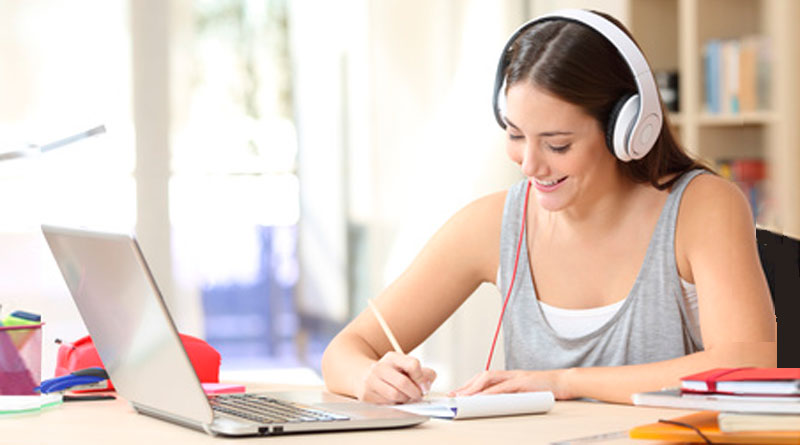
263	409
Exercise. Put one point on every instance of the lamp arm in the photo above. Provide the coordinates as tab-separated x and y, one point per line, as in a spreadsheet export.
32	149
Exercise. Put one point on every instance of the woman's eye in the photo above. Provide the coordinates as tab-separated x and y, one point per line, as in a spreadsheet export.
559	148
514	137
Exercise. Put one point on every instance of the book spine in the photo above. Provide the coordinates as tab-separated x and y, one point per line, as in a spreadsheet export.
709	78
736	74
730	76
748	52
713	80
763	73
750	175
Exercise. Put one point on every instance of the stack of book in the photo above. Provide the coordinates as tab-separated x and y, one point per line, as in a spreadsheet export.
741	405
750	175
736	75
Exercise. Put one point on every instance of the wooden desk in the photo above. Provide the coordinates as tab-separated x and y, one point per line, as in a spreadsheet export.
116	422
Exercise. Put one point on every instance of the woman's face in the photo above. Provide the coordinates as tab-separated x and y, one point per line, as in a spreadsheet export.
559	147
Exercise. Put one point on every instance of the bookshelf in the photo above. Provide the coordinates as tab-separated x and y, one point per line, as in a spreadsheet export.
675	35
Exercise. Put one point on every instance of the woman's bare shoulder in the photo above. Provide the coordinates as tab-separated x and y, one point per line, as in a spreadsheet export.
476	229
713	208
708	193
492	202
484	215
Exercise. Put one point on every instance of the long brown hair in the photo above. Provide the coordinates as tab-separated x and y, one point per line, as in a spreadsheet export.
580	66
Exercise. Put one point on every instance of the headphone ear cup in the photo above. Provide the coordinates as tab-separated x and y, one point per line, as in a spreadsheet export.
620	123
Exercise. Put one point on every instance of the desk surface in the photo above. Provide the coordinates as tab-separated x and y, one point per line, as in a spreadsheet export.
116	422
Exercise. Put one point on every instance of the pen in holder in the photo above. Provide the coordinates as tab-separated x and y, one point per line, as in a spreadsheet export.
20	359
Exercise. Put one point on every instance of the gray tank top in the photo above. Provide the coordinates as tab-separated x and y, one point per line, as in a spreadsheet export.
652	324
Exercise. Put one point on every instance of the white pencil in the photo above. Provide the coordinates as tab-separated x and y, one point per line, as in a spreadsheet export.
385	328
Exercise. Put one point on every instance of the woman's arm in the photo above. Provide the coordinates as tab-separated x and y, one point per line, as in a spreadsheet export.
460	256
617	383
716	239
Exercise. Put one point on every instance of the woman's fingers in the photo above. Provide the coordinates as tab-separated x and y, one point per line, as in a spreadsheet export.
401	381
428	376
483	381
479	382
382	392
499	382
411	367
457	391
396	378
502	387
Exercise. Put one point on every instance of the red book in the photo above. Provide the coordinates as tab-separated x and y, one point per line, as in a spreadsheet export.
744	381
749	171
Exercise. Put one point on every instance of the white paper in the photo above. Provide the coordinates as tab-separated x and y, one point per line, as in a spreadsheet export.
483	405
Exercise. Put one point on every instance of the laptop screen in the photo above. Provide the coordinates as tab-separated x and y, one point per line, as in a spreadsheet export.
127	319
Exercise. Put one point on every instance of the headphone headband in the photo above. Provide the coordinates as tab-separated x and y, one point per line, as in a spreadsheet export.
636	140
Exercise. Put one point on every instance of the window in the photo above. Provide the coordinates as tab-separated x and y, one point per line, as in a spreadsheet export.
57	78
54	84
234	193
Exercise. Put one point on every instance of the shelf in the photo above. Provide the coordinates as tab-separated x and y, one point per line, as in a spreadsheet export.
674	34
740	119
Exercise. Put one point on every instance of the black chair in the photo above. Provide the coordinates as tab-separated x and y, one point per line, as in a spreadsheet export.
780	258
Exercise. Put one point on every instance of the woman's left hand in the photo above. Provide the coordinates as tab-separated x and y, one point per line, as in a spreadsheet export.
496	382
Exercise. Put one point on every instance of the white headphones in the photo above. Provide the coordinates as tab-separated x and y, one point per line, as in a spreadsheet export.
635	122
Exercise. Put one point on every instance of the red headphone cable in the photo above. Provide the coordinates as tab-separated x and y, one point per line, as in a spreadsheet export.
513	275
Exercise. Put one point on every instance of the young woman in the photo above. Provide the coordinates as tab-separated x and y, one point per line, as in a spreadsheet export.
622	271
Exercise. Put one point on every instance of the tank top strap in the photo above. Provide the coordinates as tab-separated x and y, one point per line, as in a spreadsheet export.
665	229
509	233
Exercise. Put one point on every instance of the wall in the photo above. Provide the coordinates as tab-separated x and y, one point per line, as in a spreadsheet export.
433	147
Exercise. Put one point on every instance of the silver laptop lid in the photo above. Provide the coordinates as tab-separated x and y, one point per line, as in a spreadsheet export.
126	316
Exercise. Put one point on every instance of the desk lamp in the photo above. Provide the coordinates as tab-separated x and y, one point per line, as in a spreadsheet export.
33	149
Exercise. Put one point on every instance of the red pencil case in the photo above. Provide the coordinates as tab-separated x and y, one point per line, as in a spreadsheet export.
82	354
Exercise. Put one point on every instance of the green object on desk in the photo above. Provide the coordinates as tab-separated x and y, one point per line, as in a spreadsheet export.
21	318
10	405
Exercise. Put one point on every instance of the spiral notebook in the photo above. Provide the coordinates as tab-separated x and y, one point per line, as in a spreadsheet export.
483	405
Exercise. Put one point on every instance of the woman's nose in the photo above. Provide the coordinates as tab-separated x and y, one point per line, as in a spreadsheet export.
531	160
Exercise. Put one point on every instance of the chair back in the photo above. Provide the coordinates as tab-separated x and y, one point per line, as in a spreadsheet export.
780	258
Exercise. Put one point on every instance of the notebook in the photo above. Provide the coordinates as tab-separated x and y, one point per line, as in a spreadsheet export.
673	398
483	405
139	345
757	381
736	422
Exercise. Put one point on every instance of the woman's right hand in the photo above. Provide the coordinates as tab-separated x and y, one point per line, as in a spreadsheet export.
395	378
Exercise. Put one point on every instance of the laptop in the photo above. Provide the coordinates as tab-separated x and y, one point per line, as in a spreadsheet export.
139	345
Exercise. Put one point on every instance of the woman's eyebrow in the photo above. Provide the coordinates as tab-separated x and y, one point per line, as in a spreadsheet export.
555	133
542	134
